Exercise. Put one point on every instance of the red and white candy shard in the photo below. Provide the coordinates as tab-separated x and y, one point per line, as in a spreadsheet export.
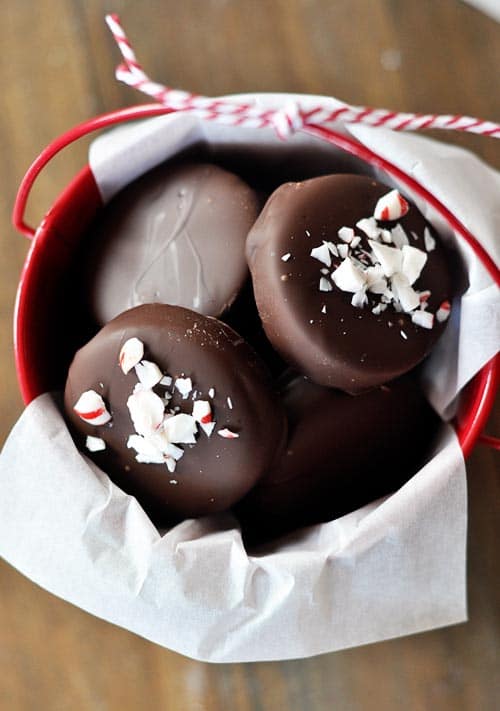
95	444
443	311
227	434
91	408
148	373
131	353
391	206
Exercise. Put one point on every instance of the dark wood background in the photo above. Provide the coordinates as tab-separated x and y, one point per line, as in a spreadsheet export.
56	69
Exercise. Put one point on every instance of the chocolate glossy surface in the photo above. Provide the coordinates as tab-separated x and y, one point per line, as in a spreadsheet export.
347	347
213	473
176	236
343	452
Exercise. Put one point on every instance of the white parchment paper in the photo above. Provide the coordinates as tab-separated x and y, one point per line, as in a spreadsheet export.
392	568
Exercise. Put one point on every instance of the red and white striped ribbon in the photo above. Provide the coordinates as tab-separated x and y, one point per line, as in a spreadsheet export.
287	119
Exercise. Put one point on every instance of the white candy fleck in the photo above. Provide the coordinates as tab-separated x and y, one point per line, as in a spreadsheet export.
180	429
348	277
286	257
323	310
211	393
229	403
359	299
369	226
407	297
166	381
95	444
322	254
423	319
389	258
184	386
413	262
399	236
346	234
325	284
148	373
343	250
146	411
403	335
429	241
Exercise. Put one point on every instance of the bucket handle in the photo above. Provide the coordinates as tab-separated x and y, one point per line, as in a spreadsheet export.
94	124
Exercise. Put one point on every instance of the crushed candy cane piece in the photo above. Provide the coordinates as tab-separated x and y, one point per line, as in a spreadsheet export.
443	311
359	298
346	234
211	393
355	242
166	381
180	429
325	284
146	411
229	403
184	386
332	248
423	319
95	444
389	258
91	408
391	206
429	241
202	412
414	260
208	427
348	277
286	257
403	335
399	236
407	297
369	226
146	451
322	254
379	308
343	250
131	353
386	236
148	373
323	310
227	434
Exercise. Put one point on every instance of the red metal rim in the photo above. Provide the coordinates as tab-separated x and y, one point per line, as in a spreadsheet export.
481	390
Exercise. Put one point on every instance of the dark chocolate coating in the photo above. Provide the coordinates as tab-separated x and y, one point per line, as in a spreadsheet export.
164	238
343	452
215	472
348	348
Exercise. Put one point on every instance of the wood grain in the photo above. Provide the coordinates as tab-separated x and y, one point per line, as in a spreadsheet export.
56	70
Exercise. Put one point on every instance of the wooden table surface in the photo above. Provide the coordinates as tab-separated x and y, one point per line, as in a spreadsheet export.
56	70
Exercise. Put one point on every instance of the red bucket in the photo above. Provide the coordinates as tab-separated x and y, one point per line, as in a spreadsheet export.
42	356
